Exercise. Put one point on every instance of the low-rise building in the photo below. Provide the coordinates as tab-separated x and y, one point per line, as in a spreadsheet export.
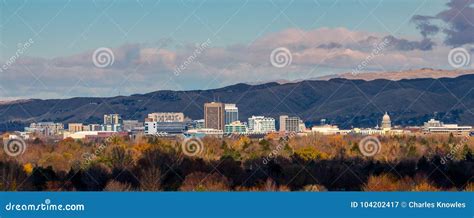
154	128
45	128
328	130
437	127
131	125
92	127
165	123
236	127
75	127
204	132
261	124
166	117
92	134
196	124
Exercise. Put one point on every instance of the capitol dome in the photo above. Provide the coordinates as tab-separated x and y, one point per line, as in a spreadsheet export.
386	123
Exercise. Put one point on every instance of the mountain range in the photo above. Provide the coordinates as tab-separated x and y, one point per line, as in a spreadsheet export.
344	102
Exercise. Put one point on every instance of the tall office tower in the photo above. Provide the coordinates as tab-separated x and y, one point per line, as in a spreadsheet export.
283	119
231	113
290	124
214	115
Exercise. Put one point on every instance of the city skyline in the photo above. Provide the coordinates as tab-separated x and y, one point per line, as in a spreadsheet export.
151	49
166	124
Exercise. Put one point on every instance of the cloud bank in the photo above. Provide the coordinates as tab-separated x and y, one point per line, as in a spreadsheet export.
141	68
456	22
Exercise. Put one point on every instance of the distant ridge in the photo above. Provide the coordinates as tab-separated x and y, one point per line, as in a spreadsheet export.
389	75
399	75
341	101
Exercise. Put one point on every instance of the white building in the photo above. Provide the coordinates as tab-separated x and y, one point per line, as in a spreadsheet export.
368	131
436	127
236	127
328	130
153	128
17	134
204	132
45	128
166	117
164	123
80	135
261	124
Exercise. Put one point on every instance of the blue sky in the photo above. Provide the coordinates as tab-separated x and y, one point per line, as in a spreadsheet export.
82	25
150	39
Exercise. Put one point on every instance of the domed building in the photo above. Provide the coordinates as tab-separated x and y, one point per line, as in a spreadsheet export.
386	122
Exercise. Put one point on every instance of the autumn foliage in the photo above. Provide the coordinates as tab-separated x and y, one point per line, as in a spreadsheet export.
274	163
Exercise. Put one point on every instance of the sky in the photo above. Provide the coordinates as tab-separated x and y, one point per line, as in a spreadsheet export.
63	49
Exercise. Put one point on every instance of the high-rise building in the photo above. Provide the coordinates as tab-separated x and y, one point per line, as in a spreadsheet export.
291	124
214	115
386	123
235	127
261	124
231	113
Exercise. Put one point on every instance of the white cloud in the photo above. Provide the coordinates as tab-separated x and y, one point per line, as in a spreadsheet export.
140	68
